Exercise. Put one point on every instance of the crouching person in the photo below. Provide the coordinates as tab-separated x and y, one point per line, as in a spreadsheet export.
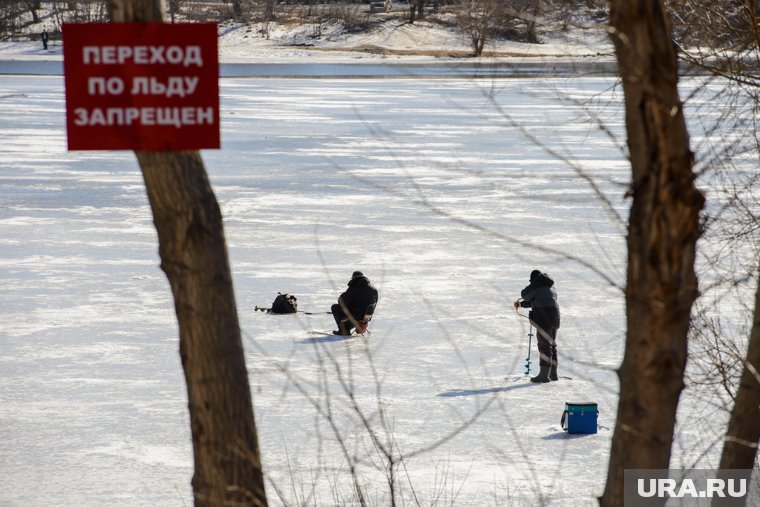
356	306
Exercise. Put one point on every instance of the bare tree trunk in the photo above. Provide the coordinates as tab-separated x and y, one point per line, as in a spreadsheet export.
141	11
753	21
194	257
740	447
34	7
173	6
237	9
663	230
533	10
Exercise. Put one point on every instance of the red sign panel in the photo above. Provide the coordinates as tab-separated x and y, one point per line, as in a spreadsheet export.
141	86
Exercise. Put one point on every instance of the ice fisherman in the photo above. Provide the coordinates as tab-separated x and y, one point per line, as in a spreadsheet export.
355	306
541	297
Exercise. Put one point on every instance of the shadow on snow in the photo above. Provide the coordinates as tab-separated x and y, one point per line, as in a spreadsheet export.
453	393
324	339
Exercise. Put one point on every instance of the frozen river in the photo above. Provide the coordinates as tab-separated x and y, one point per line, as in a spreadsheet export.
445	192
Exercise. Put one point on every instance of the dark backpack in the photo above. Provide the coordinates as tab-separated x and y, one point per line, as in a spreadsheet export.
284	303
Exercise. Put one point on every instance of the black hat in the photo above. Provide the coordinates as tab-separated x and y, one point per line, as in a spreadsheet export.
356	274
534	274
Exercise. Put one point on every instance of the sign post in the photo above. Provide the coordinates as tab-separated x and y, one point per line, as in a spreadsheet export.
141	86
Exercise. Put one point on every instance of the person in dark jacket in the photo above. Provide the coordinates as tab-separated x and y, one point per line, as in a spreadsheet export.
356	306
541	297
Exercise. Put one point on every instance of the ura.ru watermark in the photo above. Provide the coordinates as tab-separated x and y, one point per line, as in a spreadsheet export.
698	487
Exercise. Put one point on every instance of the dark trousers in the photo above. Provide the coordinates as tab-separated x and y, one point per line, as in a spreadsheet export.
343	322
547	345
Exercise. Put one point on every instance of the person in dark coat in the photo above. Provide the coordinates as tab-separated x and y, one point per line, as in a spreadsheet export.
44	36
541	297
356	306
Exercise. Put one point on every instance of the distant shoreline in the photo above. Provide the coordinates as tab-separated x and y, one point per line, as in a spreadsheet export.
431	67
471	68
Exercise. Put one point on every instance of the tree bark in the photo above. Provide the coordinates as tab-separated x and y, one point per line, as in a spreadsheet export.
663	230
34	7
740	447
194	257
237	9
753	21
139	11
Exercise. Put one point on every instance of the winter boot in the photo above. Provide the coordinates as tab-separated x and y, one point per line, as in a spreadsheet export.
553	372
543	376
343	328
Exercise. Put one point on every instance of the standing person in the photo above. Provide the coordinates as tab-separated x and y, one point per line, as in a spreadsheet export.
44	35
541	297
355	306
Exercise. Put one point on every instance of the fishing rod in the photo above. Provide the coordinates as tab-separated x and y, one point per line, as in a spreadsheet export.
265	309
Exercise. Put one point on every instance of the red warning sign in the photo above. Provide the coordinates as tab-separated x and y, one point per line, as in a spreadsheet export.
141	86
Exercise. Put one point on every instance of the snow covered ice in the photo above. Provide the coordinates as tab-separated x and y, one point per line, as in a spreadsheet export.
445	192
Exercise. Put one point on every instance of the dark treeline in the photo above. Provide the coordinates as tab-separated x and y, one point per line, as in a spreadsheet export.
724	25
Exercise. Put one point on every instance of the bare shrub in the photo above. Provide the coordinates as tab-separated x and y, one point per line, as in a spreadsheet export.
353	17
478	20
724	25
